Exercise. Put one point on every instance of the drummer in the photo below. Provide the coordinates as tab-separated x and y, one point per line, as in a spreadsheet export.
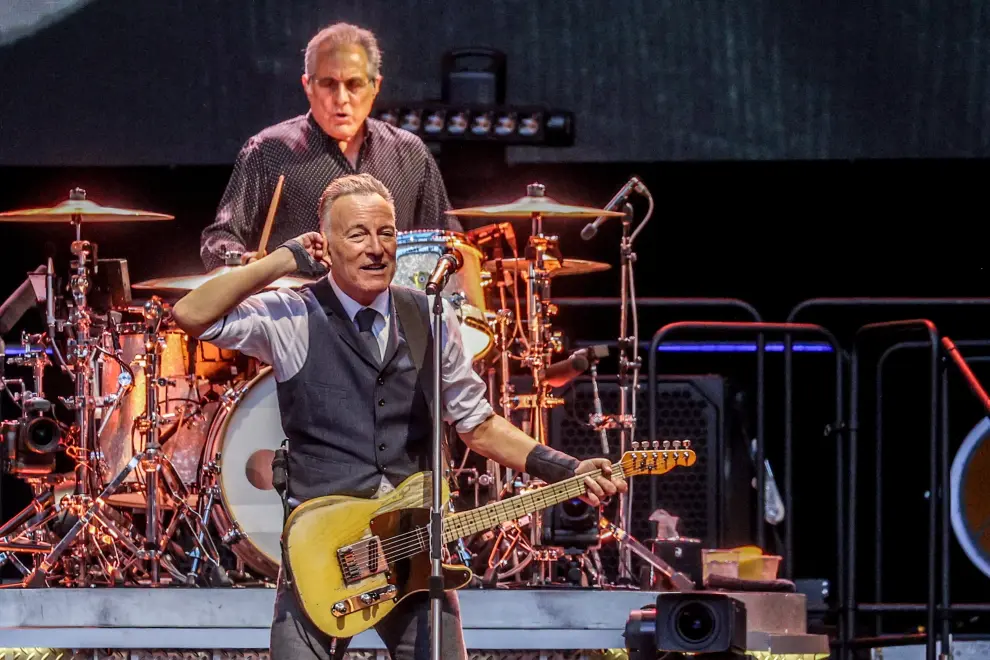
336	137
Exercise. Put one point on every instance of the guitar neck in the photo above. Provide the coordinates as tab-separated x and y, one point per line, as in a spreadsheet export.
470	522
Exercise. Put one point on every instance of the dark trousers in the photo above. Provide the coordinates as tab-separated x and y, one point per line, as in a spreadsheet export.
405	631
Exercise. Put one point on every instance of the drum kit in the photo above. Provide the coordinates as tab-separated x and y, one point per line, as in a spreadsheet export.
163	476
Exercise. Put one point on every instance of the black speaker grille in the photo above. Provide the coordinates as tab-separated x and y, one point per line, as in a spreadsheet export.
688	408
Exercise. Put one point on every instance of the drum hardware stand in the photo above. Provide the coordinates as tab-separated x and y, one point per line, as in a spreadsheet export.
151	462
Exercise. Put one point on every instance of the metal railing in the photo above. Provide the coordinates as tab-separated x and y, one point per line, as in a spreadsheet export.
938	458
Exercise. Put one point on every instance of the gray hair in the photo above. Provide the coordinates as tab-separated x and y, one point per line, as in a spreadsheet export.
352	184
344	34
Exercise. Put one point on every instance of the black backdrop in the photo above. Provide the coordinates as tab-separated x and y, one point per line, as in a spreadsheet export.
120	82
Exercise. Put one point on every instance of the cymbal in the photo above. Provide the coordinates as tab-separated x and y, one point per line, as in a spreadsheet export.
528	205
86	210
184	283
552	265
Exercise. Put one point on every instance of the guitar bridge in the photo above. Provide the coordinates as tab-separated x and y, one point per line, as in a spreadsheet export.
363	601
362	560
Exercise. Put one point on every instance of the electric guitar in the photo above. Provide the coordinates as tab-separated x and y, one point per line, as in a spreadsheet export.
352	560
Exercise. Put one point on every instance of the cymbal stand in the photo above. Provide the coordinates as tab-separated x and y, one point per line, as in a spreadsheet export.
542	344
157	469
81	354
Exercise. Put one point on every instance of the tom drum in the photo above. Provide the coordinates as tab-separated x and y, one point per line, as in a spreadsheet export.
417	255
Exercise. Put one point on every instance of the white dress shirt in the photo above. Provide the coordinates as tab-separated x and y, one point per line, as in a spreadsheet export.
273	327
381	304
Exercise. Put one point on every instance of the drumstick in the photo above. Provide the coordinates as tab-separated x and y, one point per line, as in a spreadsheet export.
271	216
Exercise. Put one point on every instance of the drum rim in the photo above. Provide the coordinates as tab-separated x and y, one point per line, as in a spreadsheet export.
453	239
218	430
482	327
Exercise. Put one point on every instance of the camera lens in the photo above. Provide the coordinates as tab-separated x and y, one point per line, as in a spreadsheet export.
695	622
43	435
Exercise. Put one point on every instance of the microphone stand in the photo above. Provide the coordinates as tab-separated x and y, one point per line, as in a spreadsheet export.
627	391
436	511
628	385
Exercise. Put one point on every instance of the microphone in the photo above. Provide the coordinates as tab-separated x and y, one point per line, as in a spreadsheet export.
591	228
448	264
561	373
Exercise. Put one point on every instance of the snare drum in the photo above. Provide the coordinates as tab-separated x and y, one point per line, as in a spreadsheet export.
417	255
242	442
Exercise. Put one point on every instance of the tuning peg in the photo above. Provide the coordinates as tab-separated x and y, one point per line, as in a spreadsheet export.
635	444
666	444
677	444
656	445
686	444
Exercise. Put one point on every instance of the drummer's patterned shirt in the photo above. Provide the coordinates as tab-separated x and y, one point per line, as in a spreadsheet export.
310	159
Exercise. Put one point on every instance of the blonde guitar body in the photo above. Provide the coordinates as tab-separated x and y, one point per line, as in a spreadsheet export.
352	560
322	533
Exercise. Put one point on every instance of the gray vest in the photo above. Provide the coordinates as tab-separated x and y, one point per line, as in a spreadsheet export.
350	422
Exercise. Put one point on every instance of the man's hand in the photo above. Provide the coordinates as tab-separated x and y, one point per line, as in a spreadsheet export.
603	485
314	257
249	257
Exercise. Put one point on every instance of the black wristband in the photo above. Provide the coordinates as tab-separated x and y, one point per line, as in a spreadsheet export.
550	465
305	264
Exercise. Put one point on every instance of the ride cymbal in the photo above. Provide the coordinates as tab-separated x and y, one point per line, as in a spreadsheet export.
529	205
184	283
552	265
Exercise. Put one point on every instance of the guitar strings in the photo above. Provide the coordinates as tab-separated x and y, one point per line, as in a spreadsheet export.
402	546
398	541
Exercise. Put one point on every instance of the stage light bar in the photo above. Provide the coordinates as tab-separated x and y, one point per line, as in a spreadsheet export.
510	125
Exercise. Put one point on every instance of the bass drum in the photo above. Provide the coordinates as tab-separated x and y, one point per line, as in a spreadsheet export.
242	443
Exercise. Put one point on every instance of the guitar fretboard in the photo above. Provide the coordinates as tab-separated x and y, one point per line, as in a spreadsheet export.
473	521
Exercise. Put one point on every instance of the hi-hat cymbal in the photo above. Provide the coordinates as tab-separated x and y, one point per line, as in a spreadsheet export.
83	209
552	265
525	207
184	283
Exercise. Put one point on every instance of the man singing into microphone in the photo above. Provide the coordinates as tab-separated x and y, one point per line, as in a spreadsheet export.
353	405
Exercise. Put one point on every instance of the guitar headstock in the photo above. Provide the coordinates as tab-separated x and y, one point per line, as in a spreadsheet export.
660	458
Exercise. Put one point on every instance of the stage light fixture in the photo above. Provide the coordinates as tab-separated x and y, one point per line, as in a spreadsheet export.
509	125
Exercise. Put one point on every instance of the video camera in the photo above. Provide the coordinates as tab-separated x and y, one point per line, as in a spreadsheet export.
708	626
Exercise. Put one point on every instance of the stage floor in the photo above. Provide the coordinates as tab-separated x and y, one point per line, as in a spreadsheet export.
175	618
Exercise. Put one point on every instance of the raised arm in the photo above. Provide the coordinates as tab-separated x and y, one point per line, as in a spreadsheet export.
203	306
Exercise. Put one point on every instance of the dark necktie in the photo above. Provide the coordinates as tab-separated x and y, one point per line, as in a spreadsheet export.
365	318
